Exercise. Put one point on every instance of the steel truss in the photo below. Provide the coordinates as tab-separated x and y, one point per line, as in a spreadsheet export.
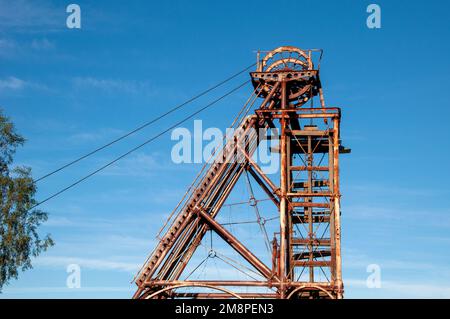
307	196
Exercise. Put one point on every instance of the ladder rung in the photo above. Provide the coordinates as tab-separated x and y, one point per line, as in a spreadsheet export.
315	254
314	263
309	168
315	183
315	219
310	132
307	204
312	242
306	194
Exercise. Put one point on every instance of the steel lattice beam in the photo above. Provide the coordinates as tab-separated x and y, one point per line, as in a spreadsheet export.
307	197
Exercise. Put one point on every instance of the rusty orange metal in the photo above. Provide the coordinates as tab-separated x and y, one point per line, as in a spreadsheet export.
307	196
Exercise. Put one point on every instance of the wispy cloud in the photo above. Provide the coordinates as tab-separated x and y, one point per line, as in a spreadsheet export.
399	190
82	289
114	85
12	49
97	264
95	136
142	164
439	218
371	212
31	15
395	289
42	44
137	165
13	83
57	221
360	261
418	290
7	47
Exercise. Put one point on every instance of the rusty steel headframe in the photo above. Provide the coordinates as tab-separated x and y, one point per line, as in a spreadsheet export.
307	197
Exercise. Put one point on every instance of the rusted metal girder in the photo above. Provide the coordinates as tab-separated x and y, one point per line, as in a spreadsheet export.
307	197
236	244
236	283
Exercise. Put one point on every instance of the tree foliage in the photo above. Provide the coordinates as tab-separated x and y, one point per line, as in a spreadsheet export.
19	238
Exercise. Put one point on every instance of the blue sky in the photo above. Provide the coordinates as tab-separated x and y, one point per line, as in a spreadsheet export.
69	91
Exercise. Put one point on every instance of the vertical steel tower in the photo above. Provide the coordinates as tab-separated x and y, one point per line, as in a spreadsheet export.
306	251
